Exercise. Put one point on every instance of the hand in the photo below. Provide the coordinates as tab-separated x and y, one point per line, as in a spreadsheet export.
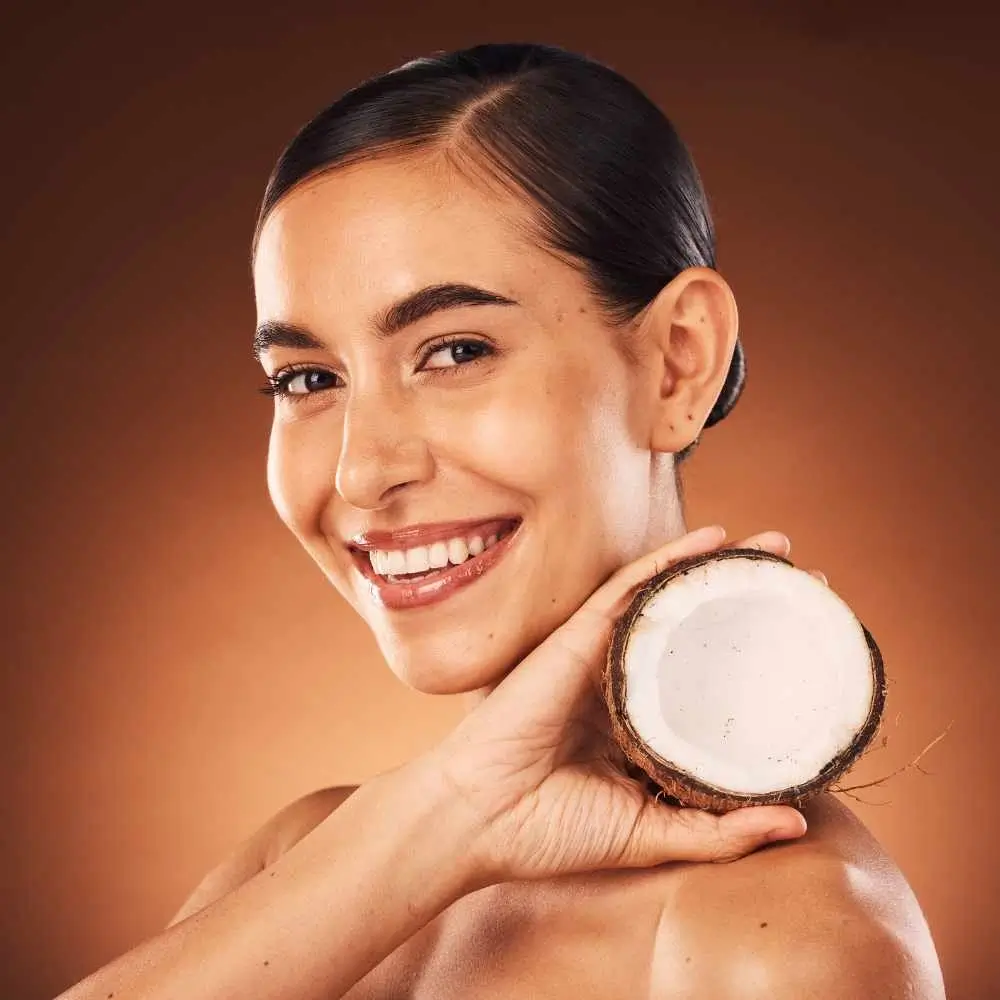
544	801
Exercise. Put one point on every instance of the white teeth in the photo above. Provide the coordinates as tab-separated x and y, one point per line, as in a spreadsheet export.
422	558
417	560
458	551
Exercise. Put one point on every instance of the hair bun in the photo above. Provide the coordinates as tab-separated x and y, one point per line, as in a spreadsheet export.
731	388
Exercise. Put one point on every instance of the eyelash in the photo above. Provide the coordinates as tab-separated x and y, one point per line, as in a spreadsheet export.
277	385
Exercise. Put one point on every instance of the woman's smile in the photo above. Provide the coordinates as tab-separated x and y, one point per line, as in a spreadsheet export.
511	399
426	564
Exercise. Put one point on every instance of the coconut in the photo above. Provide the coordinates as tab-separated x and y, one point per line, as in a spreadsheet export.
737	679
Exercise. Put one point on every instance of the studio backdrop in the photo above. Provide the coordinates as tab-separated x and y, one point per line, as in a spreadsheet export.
175	668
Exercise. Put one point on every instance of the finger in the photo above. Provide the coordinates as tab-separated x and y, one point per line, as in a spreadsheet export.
769	541
608	598
611	599
820	576
570	660
591	622
666	833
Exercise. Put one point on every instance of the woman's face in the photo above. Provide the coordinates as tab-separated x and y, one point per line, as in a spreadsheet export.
434	429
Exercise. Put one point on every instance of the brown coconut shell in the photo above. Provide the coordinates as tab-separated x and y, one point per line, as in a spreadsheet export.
667	780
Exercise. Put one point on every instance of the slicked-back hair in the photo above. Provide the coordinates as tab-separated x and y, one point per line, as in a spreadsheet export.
611	186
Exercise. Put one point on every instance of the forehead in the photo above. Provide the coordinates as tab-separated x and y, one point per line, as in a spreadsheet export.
378	230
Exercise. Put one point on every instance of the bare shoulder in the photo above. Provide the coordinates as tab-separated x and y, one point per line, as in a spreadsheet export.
263	847
830	911
300	817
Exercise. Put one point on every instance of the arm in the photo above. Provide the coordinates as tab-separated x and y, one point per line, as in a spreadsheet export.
259	851
503	797
370	875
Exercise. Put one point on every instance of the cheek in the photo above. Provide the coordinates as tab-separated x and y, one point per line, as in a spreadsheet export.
621	470
299	476
524	442
563	439
603	463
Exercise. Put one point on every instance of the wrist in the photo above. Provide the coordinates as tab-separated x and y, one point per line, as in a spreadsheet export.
450	820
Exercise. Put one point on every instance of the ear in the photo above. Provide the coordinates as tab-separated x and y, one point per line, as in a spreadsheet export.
691	329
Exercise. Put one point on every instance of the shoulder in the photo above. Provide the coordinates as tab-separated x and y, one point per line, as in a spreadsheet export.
264	846
829	917
289	825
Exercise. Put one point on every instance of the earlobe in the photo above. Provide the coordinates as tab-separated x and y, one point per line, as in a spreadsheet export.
693	324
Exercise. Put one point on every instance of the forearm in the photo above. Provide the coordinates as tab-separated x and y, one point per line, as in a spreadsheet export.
383	865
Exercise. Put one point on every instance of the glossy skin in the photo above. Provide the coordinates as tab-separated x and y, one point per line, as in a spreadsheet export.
552	424
555	427
825	917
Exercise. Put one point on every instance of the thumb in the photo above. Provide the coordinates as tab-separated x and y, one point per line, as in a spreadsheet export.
584	636
566	667
667	833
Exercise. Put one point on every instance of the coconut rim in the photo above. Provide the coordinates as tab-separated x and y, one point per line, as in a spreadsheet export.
654	766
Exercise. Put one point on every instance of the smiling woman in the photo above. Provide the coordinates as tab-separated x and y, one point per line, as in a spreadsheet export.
489	316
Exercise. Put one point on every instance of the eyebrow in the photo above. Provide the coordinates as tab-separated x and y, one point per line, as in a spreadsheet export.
405	312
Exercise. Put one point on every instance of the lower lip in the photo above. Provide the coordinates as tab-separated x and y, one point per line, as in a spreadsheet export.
431	590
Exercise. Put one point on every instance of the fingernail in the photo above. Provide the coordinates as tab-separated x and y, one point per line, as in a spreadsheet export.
786	833
782	833
711	529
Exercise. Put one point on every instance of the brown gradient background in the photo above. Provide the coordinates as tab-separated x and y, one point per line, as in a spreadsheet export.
175	669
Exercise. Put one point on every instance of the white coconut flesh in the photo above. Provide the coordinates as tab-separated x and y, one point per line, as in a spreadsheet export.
750	675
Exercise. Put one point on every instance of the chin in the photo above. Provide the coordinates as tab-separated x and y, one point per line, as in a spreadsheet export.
430	674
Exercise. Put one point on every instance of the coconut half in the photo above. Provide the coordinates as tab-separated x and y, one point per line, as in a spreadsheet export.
737	679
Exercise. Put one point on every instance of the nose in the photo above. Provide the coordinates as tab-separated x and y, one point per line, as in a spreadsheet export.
382	450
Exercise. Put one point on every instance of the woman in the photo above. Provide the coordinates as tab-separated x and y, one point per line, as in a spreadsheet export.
490	319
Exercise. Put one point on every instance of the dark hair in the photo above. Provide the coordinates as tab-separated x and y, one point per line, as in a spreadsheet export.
614	187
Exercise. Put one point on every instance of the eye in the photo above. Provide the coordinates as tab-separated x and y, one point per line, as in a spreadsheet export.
281	383
306	383
456	351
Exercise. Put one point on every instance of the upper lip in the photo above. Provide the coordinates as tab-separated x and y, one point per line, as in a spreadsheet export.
426	533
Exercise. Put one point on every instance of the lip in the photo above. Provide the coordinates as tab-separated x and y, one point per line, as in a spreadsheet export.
419	594
426	534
